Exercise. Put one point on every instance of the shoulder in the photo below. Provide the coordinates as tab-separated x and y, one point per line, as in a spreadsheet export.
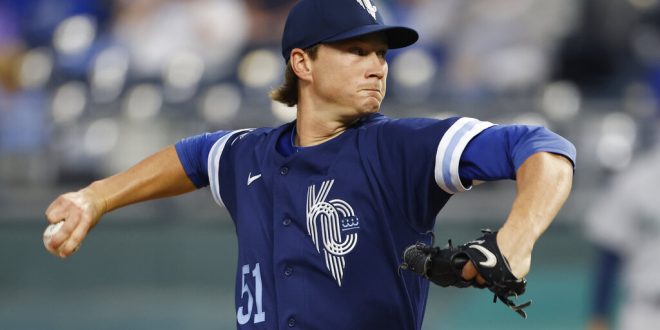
397	126
250	136
431	133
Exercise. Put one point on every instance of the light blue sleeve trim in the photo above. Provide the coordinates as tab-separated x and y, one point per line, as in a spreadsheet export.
214	164
450	148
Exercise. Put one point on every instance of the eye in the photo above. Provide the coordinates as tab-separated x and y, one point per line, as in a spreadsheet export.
357	51
382	53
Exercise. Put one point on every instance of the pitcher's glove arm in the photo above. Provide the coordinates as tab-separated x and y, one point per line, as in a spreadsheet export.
444	267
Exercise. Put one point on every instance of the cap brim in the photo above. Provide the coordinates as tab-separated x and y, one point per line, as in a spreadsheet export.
397	36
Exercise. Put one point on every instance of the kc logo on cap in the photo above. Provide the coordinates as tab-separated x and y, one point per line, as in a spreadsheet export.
366	4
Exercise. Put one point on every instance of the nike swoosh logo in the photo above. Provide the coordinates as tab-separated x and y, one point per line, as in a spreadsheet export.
491	259
252	178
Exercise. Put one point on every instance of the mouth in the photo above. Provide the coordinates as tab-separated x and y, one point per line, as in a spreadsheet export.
373	90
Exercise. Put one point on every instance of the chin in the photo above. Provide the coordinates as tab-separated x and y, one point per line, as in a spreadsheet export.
371	105
371	108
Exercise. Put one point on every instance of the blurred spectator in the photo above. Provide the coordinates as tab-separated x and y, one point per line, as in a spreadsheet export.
266	20
616	43
624	225
157	33
495	46
22	115
75	73
11	47
37	20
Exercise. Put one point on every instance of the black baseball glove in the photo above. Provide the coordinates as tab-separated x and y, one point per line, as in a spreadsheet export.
444	267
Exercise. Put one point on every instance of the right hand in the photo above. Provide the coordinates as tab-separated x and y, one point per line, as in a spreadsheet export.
80	211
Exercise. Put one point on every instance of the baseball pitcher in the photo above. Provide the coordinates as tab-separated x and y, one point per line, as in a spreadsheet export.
333	211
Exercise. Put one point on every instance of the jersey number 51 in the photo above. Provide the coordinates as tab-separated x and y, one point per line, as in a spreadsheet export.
260	316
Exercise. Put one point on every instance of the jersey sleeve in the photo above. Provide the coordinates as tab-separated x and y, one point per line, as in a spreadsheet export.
418	161
450	151
497	152
426	160
194	155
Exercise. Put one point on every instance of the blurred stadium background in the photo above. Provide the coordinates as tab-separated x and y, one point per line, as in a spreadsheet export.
88	88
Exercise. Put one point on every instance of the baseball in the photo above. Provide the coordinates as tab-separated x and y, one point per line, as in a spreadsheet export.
51	230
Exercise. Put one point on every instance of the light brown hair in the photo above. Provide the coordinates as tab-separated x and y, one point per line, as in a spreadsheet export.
287	92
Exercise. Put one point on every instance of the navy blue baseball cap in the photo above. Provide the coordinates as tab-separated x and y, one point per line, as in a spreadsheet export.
311	22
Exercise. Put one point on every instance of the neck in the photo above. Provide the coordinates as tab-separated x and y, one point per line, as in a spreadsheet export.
313	128
315	125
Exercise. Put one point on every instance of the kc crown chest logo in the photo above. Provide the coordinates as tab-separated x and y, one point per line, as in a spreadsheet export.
369	7
332	226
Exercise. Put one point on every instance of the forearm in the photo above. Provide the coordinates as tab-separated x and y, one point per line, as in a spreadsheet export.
159	175
543	183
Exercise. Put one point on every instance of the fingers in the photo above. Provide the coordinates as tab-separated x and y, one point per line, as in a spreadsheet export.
78	218
71	220
74	241
470	272
56	211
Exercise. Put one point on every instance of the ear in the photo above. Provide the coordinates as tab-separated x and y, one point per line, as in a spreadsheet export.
301	64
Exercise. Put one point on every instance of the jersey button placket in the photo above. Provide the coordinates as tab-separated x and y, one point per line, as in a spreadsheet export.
286	221
284	170
288	271
292	322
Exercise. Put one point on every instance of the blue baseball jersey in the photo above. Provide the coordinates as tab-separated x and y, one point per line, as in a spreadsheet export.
321	230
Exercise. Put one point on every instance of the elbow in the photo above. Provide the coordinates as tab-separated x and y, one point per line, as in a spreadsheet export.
562	168
549	169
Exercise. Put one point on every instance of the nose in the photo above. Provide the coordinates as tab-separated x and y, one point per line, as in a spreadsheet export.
377	66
